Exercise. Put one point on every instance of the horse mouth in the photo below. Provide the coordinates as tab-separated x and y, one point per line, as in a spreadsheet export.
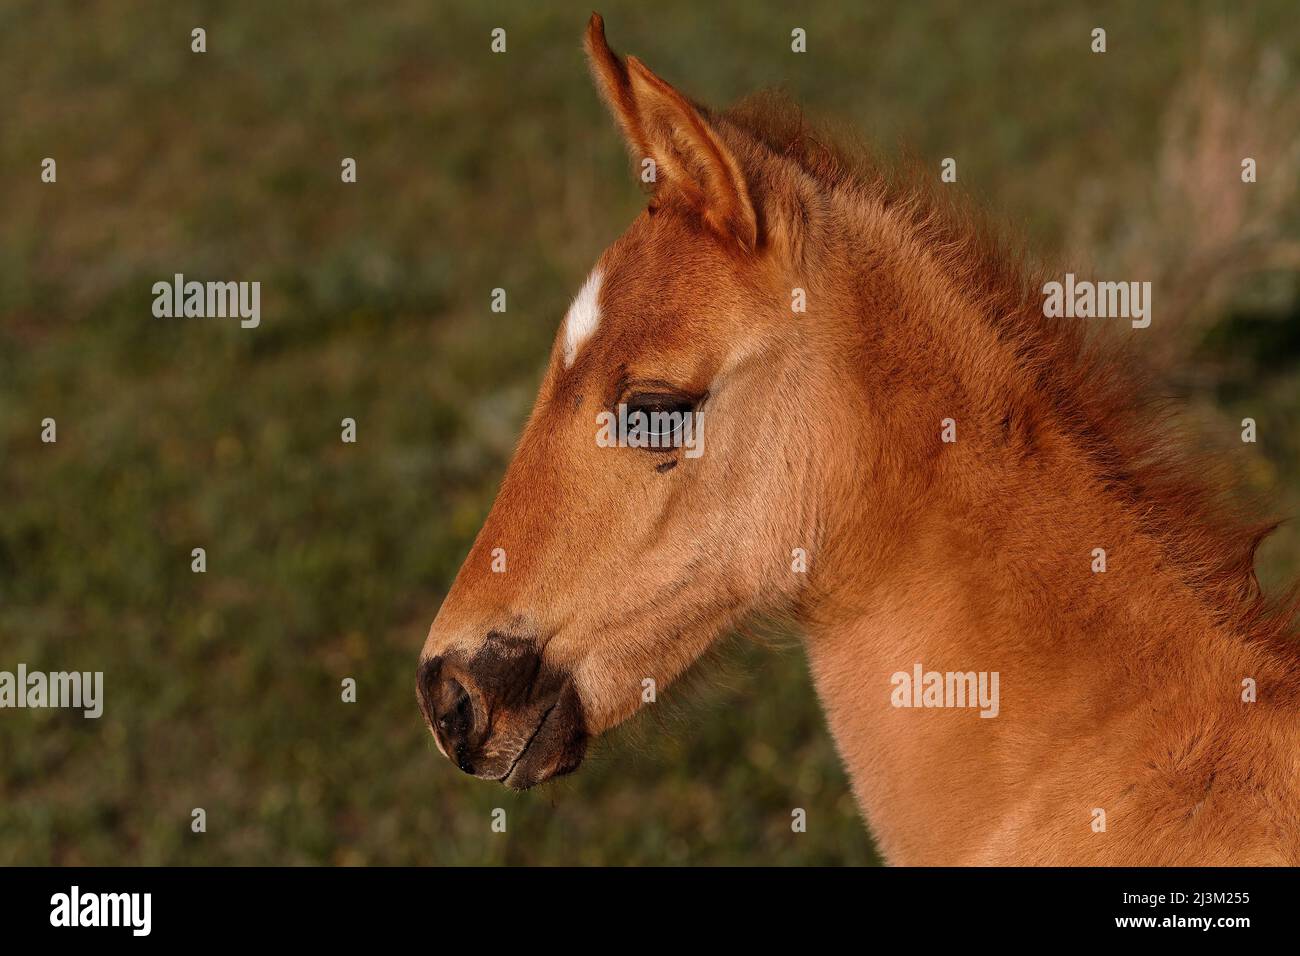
555	748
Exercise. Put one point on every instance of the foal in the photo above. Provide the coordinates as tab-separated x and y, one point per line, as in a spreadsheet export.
1038	639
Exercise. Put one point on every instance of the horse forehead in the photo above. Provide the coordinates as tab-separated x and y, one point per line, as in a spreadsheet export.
628	279
645	283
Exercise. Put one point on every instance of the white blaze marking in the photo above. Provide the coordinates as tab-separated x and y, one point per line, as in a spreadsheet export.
583	317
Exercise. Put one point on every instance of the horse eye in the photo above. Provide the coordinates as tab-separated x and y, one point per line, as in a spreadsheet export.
661	404
661	420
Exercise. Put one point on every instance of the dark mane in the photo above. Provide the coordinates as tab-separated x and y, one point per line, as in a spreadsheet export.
1099	391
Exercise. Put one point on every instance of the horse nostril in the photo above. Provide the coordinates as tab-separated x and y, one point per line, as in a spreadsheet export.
462	711
457	713
453	714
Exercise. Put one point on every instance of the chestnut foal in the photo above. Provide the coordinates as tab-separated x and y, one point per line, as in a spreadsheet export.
1036	633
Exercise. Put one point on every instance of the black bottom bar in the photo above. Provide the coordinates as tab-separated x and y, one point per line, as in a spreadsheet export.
337	906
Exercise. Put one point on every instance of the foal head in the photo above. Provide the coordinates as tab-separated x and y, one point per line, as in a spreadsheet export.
661	483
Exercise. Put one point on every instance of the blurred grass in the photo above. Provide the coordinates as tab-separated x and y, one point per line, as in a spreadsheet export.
328	560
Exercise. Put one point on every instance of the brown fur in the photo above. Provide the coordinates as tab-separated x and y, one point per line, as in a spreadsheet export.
1121	691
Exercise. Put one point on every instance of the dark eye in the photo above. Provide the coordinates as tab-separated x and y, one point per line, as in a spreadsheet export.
658	421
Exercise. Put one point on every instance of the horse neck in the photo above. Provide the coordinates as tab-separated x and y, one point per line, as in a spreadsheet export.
973	556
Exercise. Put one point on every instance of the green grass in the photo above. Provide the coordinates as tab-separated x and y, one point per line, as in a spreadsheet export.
328	560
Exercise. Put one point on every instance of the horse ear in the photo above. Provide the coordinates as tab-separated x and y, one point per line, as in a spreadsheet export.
692	164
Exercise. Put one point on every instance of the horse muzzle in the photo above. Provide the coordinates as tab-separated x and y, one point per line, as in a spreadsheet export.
501	713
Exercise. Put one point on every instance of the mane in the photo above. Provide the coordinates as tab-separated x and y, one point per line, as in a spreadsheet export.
1102	394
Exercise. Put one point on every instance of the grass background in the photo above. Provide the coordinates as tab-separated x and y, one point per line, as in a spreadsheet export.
479	171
